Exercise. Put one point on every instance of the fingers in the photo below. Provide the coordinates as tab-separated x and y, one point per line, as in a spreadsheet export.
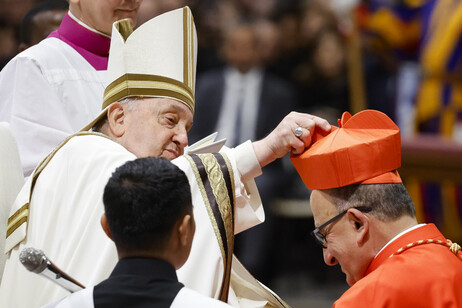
283	138
308	123
300	143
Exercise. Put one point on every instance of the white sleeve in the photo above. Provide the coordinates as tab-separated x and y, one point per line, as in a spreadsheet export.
246	161
80	299
34	110
192	299
249	210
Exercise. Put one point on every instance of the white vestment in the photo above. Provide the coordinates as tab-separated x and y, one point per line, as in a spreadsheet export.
64	221
185	298
48	92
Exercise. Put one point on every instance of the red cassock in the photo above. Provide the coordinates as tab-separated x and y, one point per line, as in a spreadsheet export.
424	275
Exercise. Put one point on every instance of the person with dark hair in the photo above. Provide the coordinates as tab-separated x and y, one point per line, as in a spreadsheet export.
40	21
390	201
52	89
143	200
366	220
149	216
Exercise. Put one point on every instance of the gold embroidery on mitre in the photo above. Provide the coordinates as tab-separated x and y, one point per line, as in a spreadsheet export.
188	49
129	85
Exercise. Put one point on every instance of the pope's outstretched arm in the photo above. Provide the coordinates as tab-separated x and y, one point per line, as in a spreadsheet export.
282	139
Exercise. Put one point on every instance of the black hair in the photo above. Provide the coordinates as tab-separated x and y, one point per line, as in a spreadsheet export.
26	27
143	200
389	201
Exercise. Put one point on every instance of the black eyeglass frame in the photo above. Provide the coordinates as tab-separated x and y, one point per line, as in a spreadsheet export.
321	238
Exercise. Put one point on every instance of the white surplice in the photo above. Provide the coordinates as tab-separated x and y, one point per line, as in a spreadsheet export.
47	98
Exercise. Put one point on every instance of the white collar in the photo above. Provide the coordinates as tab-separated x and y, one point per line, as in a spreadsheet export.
399	235
233	73
86	26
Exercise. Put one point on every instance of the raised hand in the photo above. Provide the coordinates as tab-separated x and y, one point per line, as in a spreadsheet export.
288	136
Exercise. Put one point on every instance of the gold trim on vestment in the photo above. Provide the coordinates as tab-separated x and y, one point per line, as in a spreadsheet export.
231	173
24	216
229	225
219	201
207	204
23	212
17	219
217	182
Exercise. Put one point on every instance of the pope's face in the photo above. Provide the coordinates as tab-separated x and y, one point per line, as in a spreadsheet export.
157	127
101	14
341	238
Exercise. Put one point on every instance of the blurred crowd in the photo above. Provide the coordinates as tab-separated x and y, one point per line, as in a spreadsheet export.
323	57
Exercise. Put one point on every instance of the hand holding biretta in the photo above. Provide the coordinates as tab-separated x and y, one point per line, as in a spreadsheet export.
364	149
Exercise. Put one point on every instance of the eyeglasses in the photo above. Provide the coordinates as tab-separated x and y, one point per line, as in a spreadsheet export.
321	238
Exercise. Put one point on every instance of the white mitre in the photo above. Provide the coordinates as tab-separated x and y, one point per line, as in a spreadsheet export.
158	59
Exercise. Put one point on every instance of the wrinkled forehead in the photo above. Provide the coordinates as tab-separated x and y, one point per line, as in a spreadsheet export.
322	206
165	104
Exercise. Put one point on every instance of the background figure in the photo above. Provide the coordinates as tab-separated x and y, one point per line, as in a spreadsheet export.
321	74
40	21
249	101
11	14
213	17
269	39
290	53
149	216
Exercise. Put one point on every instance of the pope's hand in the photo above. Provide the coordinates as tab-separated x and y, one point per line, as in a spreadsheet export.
283	139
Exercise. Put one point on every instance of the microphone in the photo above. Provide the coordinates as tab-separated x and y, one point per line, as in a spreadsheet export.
36	261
